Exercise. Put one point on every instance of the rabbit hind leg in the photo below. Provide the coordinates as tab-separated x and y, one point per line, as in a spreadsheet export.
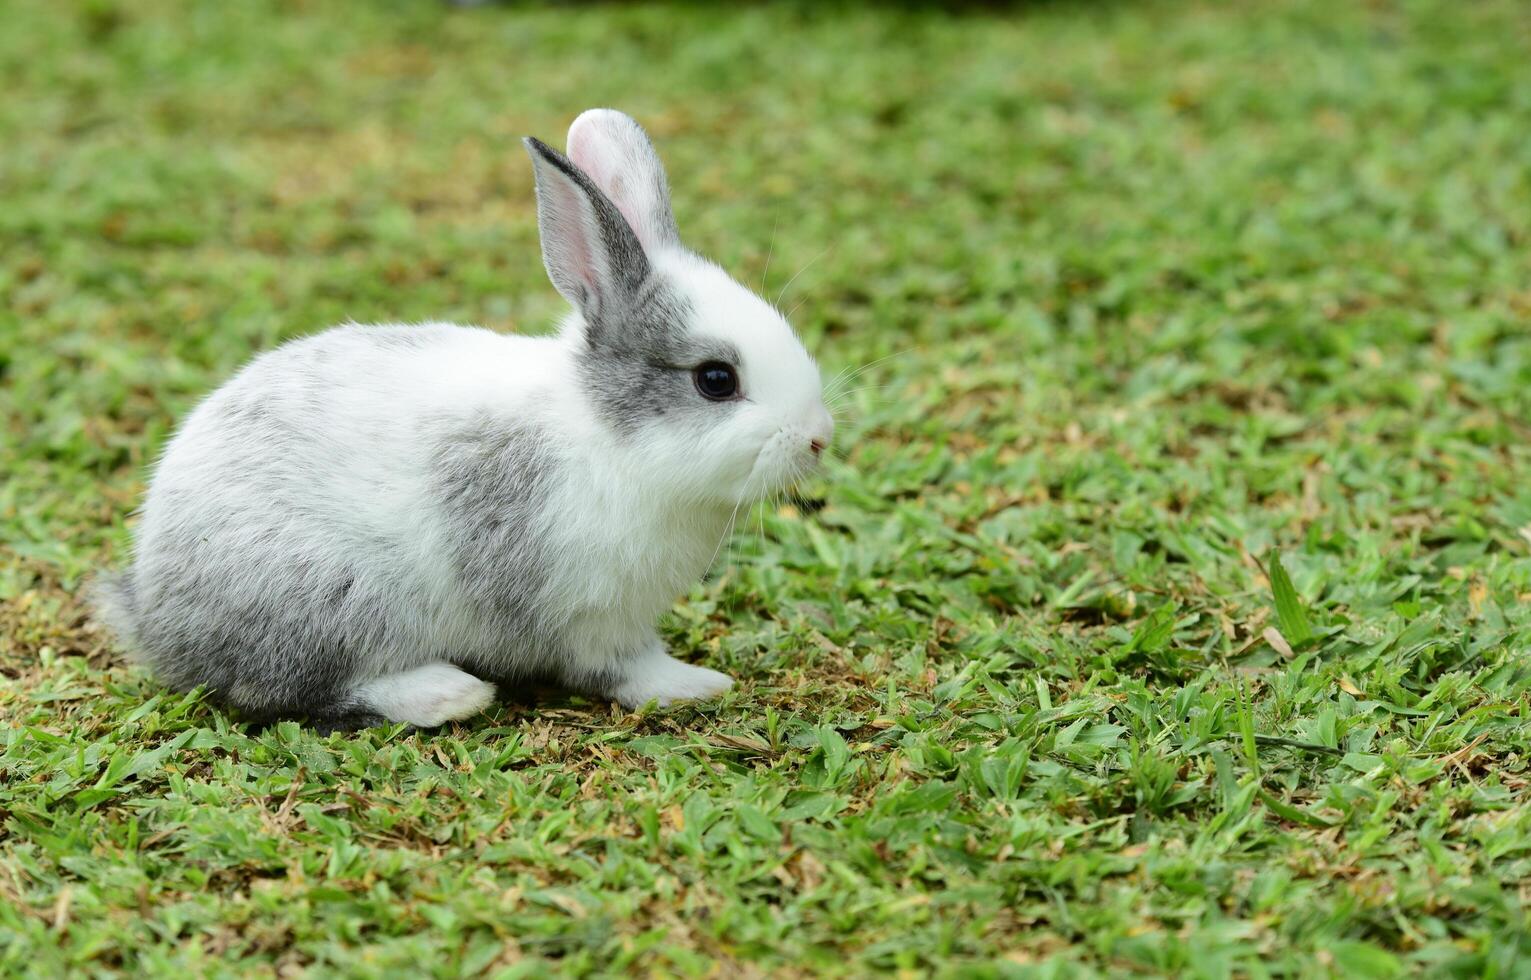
426	697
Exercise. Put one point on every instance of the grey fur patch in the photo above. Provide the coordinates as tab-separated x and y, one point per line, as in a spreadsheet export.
491	481
639	370
287	642
112	596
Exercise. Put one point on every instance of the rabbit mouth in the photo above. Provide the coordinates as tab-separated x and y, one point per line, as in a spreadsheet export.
777	468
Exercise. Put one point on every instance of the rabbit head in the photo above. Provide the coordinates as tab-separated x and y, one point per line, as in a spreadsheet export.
703	377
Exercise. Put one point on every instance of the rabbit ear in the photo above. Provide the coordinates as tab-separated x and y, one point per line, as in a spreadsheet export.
617	154
591	253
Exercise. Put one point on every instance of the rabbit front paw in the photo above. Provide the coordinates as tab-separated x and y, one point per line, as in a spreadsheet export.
666	680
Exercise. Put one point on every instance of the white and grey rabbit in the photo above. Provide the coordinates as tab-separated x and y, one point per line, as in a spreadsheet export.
379	522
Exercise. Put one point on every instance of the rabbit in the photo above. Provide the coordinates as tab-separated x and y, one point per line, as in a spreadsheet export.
378	524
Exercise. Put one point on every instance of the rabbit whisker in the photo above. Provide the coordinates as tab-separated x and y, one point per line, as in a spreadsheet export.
728	530
804	269
844	378
770	250
839	397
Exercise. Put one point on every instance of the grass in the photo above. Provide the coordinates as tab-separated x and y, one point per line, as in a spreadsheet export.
1168	613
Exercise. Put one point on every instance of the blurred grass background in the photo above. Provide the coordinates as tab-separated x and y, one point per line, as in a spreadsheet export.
1163	291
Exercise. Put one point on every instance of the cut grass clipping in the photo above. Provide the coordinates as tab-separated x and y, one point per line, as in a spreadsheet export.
1167	611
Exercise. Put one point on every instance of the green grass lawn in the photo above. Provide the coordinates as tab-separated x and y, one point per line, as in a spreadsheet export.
1169	609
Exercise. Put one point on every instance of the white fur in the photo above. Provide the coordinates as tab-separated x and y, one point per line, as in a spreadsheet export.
660	677
427	696
770	441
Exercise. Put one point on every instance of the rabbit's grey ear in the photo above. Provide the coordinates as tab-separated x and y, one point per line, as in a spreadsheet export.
591	254
615	151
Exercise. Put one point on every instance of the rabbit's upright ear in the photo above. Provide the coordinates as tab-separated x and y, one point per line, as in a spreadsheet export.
591	254
615	151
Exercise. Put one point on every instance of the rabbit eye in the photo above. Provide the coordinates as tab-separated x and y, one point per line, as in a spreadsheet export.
716	381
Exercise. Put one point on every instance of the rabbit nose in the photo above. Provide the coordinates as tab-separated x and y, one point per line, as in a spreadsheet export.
821	432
